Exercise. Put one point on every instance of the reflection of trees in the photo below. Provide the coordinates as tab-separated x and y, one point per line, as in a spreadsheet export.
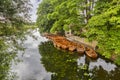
5	61
9	46
64	66
101	74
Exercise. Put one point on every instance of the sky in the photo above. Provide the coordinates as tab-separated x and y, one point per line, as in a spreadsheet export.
35	4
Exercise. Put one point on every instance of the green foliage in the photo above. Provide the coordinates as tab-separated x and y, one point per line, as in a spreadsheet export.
118	60
105	29
61	14
14	11
66	28
43	22
66	15
13	14
5	61
101	6
100	19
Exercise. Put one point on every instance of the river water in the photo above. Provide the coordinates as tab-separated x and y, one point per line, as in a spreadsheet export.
30	67
41	61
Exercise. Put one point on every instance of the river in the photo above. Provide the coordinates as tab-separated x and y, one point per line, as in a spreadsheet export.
41	61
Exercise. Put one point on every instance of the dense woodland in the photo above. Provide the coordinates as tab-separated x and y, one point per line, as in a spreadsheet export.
93	19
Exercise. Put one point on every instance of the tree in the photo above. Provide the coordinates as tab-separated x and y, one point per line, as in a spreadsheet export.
14	10
66	16
105	28
58	15
13	13
42	22
94	19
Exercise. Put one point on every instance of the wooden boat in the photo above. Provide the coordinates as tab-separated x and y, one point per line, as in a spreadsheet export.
58	44
91	53
54	44
72	46
63	43
63	46
80	49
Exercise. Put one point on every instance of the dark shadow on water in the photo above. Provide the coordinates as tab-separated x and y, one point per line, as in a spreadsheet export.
65	65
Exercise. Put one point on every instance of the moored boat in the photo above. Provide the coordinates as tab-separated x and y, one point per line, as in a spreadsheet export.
63	46
58	44
63	43
91	53
72	46
80	49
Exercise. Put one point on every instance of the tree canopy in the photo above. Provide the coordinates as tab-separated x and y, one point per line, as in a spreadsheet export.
105	28
58	15
13	11
13	14
94	19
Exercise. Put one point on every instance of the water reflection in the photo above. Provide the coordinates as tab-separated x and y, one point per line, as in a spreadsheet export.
44	62
66	66
30	67
61	64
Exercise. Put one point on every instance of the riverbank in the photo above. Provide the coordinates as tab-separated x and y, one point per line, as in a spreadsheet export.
93	45
83	41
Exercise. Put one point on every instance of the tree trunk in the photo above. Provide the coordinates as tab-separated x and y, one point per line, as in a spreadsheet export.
85	13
